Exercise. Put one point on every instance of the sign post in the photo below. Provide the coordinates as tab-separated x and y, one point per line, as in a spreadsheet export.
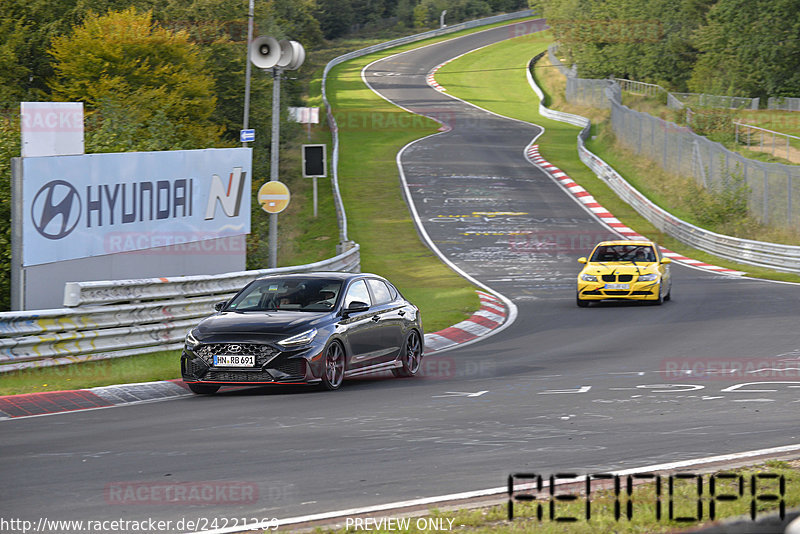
314	166
268	54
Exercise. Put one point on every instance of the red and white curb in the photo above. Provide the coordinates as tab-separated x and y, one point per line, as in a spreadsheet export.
491	315
431	77
606	217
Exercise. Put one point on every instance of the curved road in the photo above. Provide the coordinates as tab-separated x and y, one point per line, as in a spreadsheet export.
564	389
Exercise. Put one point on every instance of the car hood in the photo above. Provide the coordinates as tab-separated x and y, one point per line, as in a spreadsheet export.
620	268
274	323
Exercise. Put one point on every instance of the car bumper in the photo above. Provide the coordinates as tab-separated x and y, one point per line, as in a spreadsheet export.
271	367
636	291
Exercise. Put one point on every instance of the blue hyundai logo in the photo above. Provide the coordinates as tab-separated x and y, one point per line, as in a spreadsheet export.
56	209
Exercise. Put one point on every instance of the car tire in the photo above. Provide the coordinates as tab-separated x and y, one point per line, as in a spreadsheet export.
660	300
410	356
580	302
203	389
333	373
668	296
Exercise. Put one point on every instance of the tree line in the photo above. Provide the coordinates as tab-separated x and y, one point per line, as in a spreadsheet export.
728	47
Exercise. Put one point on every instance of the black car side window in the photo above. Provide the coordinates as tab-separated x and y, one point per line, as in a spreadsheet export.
357	292
379	291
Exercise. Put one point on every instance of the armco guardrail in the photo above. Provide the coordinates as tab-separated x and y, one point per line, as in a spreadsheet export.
759	253
377	48
127	317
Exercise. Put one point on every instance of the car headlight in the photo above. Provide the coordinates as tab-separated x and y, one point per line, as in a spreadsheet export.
191	341
648	277
588	277
303	338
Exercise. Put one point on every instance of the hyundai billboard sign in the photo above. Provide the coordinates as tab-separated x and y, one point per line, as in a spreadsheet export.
96	204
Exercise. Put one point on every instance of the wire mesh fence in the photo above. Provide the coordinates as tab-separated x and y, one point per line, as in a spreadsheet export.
783	103
771	190
702	100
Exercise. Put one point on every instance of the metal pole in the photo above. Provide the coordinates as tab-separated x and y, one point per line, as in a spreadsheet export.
17	216
247	68
273	168
315	196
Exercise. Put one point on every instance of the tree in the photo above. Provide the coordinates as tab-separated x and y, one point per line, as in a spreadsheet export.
150	79
749	48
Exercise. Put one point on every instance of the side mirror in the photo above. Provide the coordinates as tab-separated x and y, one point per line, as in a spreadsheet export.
219	305
356	307
581	260
666	261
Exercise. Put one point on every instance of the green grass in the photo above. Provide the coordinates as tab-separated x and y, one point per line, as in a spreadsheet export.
502	87
378	218
494	519
143	368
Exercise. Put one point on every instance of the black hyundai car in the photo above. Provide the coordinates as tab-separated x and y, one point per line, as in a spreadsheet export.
316	328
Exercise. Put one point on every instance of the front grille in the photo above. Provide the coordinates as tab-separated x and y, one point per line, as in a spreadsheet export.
263	353
238	376
616	292
617	278
194	367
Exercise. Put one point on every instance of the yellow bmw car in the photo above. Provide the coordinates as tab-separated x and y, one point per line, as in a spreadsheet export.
630	270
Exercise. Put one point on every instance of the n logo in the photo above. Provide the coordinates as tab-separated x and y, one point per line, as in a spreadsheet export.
229	195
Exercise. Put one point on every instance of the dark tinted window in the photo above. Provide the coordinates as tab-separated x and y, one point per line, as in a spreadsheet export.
304	294
643	253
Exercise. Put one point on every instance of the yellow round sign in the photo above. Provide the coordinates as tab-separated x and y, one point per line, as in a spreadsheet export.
273	197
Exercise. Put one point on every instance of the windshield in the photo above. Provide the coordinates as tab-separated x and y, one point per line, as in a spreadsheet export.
622	253
296	294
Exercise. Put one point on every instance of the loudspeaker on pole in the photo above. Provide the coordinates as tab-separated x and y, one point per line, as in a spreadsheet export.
265	52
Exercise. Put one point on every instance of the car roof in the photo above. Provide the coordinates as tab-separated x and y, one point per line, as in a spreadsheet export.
337	275
625	242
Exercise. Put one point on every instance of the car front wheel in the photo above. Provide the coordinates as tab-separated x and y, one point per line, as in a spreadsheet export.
580	302
334	367
410	356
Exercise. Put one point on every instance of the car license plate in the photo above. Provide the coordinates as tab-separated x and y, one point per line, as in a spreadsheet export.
234	360
617	286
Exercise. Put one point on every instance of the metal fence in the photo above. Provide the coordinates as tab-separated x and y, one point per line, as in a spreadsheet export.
640	88
784	103
702	100
764	140
770	255
127	317
772	189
